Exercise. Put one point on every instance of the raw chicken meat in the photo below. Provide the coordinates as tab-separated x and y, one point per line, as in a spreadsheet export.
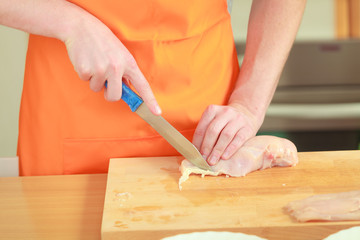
327	207
258	153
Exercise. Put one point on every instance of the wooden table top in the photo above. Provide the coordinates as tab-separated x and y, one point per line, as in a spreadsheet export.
71	206
52	207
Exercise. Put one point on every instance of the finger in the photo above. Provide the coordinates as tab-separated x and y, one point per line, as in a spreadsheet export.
226	137
100	74
97	83
142	86
84	72
212	135
206	118
236	143
113	90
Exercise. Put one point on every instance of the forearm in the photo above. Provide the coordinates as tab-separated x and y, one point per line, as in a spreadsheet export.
272	28
51	18
95	52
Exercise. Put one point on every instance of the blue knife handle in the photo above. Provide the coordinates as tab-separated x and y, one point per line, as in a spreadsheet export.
130	97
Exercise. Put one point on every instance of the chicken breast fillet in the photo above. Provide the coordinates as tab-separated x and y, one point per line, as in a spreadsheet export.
342	206
258	153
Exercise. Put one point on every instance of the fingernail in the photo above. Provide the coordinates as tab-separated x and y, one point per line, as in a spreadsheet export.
157	110
205	152
213	160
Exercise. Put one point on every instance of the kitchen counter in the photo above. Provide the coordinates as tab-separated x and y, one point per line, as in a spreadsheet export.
71	206
52	207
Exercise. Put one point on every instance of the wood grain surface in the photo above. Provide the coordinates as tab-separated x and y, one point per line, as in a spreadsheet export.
143	200
52	207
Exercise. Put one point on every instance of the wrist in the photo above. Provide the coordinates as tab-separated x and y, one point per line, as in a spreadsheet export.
253	98
255	88
71	23
257	116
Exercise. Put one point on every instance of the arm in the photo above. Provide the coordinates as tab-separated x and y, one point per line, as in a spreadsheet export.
272	28
96	53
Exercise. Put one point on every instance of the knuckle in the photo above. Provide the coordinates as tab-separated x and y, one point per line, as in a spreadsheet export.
240	118
239	139
212	130
217	151
232	148
211	108
100	69
228	110
239	121
131	62
114	66
84	72
199	133
218	148
227	134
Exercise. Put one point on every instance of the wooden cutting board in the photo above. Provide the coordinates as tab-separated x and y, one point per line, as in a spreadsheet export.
143	200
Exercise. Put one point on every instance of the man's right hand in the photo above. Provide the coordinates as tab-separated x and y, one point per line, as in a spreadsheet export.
99	56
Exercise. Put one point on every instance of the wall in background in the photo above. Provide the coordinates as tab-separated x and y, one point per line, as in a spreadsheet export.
318	23
13	45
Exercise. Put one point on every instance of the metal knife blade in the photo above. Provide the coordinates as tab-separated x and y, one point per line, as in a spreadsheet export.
173	136
164	128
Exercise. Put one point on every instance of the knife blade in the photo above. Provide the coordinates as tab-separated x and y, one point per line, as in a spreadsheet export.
164	128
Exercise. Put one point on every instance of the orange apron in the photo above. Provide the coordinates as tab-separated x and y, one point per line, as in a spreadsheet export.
185	50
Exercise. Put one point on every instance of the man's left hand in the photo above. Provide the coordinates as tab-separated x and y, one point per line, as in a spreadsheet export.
222	130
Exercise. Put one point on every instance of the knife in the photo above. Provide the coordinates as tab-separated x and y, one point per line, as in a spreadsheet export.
164	128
